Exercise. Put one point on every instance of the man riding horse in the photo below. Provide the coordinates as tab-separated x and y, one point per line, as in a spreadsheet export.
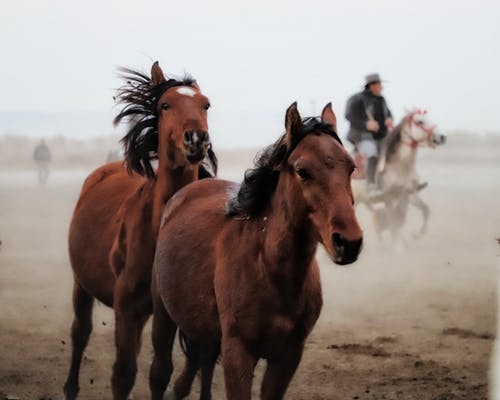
370	120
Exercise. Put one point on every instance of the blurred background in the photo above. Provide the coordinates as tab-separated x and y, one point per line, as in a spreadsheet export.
411	323
251	58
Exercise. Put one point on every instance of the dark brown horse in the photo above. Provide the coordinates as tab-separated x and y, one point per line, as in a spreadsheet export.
235	265
113	232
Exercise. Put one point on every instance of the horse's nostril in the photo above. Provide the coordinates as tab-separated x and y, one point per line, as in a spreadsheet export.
337	239
196	138
203	137
188	137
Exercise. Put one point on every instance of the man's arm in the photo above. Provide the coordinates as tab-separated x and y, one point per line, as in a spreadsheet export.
352	112
388	119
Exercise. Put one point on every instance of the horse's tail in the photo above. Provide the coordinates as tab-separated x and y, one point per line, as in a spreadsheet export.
191	349
184	343
188	347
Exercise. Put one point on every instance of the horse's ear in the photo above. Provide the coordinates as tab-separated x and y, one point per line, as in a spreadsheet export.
157	76
293	124
328	116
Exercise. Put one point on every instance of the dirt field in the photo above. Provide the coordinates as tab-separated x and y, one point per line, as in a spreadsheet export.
413	324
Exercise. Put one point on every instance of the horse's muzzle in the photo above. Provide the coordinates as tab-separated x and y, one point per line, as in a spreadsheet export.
346	251
438	139
196	144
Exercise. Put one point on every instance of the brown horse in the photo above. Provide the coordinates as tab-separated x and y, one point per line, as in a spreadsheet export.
114	227
235	267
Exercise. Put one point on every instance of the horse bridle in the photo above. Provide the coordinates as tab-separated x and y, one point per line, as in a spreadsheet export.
428	131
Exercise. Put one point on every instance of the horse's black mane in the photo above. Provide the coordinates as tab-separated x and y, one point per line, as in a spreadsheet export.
260	182
140	98
209	165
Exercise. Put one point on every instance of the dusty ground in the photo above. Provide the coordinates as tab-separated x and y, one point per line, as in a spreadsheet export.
417	324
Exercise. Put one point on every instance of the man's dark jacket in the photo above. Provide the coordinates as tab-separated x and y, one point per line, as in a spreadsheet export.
361	107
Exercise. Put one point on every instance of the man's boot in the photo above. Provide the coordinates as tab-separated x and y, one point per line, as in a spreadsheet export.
374	193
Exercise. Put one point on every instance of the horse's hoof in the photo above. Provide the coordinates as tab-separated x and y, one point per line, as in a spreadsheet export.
179	394
70	393
170	395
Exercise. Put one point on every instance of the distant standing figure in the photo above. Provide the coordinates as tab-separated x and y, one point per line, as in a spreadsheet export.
42	158
370	120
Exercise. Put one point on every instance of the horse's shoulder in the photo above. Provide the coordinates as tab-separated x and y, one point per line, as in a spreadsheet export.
133	218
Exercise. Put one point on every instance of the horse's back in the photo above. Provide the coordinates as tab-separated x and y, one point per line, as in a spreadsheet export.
202	197
97	178
95	224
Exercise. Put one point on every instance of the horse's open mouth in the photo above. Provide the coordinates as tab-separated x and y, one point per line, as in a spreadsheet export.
195	158
344	261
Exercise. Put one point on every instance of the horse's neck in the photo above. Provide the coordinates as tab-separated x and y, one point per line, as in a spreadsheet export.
400	169
406	153
290	244
168	181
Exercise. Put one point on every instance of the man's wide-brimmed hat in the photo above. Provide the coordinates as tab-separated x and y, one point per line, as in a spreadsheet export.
372	78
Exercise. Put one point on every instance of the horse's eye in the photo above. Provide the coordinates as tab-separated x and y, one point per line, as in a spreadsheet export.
206	106
303	174
165	106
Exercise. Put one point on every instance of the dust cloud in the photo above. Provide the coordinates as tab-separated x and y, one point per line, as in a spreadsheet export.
401	323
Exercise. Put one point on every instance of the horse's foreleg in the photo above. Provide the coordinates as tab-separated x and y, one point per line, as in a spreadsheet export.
163	336
278	375
424	208
397	209
238	365
132	309
80	332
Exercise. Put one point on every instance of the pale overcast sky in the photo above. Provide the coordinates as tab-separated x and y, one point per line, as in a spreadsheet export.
254	58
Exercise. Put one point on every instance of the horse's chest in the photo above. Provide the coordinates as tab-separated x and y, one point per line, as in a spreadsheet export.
280	327
273	337
405	153
402	170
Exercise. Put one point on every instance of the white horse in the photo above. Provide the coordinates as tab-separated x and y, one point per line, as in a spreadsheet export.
397	175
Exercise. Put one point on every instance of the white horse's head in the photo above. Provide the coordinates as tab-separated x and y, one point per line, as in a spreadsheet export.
420	130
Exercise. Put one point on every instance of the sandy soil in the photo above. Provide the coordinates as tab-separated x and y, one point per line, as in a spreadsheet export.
412	324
